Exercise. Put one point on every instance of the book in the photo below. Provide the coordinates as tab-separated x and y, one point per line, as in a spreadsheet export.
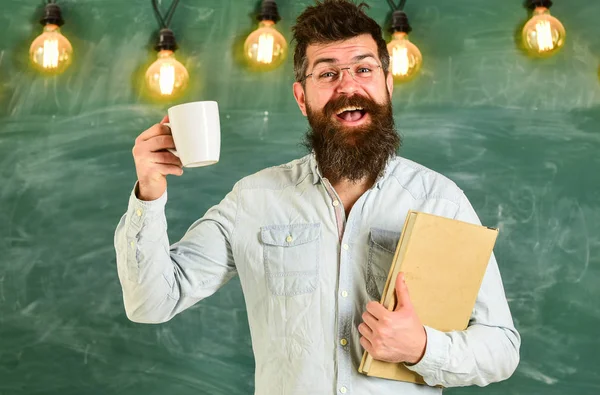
443	261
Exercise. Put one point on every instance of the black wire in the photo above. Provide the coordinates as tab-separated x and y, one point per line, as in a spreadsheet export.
165	21
158	15
170	12
395	7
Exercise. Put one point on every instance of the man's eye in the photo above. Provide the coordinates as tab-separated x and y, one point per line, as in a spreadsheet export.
364	70
327	75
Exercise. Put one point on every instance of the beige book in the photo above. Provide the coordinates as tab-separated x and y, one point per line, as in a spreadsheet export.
444	261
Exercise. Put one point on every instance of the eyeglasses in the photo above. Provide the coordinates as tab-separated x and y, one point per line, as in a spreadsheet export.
328	76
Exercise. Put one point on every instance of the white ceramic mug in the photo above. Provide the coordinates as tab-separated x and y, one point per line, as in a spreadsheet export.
196	131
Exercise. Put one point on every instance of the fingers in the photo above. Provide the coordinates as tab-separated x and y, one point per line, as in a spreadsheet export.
169	169
366	344
365	330
155	130
369	320
165	119
165	158
159	143
377	310
402	296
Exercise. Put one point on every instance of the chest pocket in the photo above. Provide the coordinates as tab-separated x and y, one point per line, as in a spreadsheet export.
291	258
382	247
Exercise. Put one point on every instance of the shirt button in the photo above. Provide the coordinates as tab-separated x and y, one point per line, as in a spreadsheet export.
132	244
343	390
139	212
336	203
344	294
289	239
343	342
345	246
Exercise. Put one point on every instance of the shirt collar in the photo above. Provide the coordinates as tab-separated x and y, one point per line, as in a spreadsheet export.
314	168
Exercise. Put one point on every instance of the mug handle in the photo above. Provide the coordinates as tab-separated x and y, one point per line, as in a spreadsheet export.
171	150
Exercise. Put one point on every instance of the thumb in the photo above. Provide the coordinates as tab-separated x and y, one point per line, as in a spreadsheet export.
165	119
402	296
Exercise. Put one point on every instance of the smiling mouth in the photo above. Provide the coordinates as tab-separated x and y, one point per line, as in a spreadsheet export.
351	114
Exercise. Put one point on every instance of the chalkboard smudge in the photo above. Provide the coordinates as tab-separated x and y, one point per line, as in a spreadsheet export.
535	374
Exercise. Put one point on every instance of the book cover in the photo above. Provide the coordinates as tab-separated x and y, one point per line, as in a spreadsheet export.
444	261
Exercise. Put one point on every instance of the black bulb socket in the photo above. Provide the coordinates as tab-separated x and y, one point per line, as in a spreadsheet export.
52	15
268	11
533	4
400	22
166	40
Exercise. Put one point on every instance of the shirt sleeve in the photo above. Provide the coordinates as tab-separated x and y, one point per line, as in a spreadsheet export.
159	280
488	350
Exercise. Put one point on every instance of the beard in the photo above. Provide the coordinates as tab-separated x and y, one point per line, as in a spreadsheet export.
352	153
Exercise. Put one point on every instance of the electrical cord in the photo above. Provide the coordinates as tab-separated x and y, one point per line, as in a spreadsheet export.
398	7
164	21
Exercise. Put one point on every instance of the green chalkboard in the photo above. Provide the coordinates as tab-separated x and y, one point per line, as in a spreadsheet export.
520	136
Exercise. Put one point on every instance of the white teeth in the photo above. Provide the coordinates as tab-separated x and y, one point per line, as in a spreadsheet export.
349	109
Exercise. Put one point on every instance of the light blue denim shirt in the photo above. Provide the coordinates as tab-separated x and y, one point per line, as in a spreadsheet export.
307	272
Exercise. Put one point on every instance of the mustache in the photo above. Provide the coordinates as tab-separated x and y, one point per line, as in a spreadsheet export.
335	105
356	153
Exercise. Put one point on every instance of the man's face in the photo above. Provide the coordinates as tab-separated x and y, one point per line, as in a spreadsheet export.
314	98
352	129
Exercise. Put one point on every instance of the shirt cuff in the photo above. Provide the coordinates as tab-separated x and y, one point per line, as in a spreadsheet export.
140	210
436	354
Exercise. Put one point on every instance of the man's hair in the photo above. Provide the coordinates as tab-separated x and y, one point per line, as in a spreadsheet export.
334	20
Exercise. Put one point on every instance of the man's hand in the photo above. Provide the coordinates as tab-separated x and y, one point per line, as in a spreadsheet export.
153	162
393	336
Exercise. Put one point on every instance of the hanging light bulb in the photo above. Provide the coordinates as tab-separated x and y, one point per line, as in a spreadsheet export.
166	77
405	57
51	52
543	34
265	48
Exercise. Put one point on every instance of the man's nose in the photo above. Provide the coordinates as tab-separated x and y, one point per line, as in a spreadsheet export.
347	83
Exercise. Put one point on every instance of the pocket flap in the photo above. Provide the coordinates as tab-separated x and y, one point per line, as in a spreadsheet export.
289	235
386	239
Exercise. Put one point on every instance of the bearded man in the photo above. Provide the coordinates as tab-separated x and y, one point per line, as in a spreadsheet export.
312	240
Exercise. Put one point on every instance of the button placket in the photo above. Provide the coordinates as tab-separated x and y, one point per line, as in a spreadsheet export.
344	309
340	216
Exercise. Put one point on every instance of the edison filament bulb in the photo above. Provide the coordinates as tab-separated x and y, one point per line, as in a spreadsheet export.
166	77
265	47
51	52
543	34
405	57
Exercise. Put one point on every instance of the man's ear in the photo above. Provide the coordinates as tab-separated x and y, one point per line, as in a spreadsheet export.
389	81
300	97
